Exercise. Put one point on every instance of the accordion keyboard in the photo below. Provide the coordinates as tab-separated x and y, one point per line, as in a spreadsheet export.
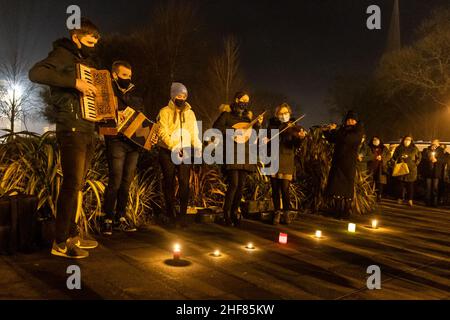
103	105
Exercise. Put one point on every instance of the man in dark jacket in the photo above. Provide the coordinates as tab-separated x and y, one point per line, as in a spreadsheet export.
122	154
76	136
341	180
433	163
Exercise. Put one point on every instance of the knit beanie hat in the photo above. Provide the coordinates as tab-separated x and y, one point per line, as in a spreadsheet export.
176	89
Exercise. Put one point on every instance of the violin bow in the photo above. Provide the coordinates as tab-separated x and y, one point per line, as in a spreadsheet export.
287	127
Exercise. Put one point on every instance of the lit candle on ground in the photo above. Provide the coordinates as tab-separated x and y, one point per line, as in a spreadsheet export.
351	227
250	246
176	251
318	234
374	224
282	238
216	253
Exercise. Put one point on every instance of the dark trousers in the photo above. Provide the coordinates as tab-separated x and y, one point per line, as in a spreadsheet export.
170	171
122	161
233	196
406	190
280	186
379	189
77	150
432	191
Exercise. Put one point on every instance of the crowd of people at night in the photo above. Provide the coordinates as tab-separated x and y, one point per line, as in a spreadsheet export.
352	154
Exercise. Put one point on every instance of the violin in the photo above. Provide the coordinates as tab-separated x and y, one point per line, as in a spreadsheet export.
292	127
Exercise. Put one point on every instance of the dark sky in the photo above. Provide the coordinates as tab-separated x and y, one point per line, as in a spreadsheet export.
291	47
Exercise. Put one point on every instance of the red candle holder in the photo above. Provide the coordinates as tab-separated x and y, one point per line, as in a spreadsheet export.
283	238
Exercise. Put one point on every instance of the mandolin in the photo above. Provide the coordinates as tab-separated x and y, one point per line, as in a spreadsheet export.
243	130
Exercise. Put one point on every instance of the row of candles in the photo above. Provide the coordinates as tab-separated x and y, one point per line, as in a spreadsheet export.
282	239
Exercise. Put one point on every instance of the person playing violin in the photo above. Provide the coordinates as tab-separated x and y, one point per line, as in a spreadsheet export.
290	139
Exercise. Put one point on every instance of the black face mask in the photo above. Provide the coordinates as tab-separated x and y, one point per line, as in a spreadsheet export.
86	51
242	105
123	83
180	103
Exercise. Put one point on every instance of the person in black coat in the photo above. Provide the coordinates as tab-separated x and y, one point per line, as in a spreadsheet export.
289	141
122	154
236	173
433	159
76	136
341	179
407	152
377	164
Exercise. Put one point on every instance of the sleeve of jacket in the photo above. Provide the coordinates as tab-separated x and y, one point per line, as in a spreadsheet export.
418	157
139	104
195	139
46	72
221	122
330	135
396	154
164	134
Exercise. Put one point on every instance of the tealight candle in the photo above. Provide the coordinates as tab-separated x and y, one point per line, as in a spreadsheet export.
351	227
250	246
216	253
176	251
282	238
374	224
318	234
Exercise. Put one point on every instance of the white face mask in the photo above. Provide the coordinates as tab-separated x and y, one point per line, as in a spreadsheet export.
284	117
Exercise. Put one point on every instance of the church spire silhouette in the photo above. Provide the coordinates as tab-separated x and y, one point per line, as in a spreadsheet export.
394	39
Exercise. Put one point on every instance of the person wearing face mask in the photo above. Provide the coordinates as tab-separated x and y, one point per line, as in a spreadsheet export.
341	179
432	167
408	153
236	173
121	153
377	164
289	141
76	137
178	135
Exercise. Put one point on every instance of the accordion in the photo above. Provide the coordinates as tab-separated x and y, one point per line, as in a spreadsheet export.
102	106
137	128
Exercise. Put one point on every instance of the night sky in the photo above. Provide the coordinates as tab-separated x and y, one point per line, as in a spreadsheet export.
295	48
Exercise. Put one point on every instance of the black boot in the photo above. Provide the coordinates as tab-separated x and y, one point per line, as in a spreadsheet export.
226	220
286	217
276	217
236	219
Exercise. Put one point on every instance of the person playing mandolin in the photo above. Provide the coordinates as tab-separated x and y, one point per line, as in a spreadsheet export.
239	119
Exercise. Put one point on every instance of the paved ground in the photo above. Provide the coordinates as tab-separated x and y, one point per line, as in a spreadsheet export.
412	248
